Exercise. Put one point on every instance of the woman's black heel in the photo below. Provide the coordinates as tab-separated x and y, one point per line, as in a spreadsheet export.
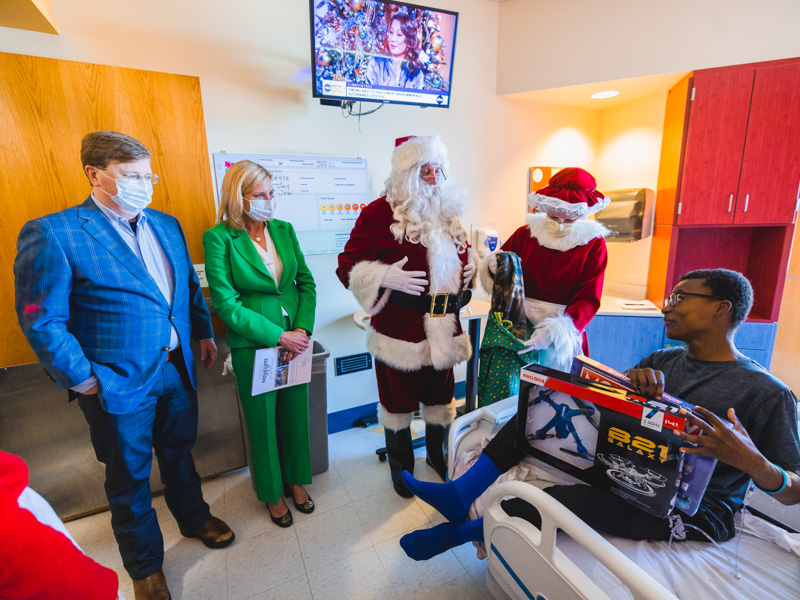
306	507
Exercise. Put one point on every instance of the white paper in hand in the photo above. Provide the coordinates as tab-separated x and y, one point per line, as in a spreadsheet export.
272	371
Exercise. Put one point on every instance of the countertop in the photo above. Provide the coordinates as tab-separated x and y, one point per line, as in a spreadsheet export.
610	308
479	308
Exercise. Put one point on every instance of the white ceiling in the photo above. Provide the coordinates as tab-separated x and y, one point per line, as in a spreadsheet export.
580	95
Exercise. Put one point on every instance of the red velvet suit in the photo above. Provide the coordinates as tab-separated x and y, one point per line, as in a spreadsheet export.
409	342
573	277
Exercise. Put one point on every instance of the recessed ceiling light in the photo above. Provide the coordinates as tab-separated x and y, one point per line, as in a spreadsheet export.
608	94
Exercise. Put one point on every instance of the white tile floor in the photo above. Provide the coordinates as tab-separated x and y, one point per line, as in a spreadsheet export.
346	550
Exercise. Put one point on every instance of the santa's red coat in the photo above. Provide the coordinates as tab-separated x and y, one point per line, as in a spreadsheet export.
403	338
572	277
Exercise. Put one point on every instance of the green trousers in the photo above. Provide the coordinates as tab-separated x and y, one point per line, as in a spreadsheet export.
277	429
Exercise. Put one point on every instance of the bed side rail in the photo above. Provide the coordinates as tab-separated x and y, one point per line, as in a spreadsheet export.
527	563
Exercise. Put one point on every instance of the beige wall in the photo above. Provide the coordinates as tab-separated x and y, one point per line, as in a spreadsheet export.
629	146
250	56
546	44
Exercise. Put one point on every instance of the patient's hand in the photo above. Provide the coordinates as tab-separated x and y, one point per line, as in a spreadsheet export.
727	441
647	382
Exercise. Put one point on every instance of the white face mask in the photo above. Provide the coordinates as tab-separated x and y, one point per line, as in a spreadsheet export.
132	196
559	229
262	210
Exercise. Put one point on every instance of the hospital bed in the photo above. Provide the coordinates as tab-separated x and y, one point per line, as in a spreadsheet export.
568	560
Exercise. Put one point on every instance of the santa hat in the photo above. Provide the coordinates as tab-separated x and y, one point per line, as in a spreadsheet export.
572	191
411	152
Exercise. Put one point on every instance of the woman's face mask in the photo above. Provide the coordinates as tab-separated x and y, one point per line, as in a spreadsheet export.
262	210
262	201
557	227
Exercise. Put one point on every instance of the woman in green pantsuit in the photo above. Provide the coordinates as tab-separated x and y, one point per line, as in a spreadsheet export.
263	290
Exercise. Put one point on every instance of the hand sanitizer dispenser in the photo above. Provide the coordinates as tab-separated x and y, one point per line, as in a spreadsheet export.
485	241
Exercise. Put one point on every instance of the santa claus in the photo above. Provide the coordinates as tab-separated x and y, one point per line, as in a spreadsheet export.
563	258
408	264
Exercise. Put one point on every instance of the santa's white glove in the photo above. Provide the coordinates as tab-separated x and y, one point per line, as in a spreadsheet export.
469	273
491	264
540	340
410	282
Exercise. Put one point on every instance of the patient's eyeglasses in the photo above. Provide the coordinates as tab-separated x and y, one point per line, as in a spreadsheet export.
675	297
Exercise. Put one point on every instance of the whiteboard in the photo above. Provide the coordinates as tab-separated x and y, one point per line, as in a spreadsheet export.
320	197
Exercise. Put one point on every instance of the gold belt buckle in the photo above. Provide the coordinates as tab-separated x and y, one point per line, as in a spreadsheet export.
434	300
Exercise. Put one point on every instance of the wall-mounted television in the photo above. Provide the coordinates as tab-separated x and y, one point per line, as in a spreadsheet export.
369	50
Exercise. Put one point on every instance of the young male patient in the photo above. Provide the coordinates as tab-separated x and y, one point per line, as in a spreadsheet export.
748	416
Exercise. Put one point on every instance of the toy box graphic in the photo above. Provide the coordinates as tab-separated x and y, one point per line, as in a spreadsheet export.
602	435
696	470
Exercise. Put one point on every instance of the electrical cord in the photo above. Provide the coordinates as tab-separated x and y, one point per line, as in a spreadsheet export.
734	565
347	111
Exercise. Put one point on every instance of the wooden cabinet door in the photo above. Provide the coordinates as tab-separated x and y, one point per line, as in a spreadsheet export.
770	180
714	146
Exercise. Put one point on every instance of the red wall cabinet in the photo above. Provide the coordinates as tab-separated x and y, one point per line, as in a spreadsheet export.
769	186
741	161
729	179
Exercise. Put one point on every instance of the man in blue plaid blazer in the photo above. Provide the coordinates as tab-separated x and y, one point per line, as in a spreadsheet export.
107	296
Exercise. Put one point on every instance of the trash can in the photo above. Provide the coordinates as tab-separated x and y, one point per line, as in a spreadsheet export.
318	409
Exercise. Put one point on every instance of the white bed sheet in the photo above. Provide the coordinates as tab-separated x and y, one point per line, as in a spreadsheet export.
700	570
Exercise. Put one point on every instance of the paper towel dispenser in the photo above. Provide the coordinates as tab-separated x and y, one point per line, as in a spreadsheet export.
629	215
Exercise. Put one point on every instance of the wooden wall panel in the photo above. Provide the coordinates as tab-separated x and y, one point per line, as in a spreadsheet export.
48	105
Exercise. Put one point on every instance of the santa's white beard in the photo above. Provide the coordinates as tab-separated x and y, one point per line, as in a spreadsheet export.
422	210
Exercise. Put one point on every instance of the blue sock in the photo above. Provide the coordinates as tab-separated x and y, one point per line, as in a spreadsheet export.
454	498
427	543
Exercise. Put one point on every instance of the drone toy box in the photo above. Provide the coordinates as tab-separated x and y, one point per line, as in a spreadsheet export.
697	468
603	435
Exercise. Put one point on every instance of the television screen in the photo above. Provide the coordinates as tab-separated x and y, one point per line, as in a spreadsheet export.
382	51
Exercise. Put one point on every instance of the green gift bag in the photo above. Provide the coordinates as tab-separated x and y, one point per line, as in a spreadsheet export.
498	375
506	330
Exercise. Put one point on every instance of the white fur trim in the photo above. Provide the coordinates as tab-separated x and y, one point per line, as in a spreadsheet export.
578	209
567	341
365	283
584	232
419	151
398	354
444	271
393	421
412	356
486	271
439	414
445	349
444	263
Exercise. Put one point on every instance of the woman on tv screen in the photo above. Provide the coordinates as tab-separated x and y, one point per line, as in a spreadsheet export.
401	68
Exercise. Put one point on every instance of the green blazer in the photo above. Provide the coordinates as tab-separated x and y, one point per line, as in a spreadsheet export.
246	296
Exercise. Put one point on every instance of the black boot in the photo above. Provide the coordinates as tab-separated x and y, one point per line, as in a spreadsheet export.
434	445
400	453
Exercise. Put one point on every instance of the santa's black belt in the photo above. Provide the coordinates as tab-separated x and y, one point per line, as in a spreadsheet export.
436	305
